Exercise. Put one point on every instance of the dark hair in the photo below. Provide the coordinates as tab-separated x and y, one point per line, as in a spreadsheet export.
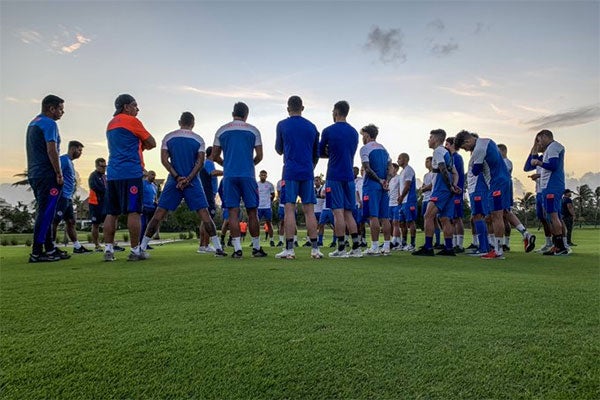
404	155
74	143
100	160
460	138
502	147
439	133
372	130
51	101
395	165
342	107
295	103
450	140
262	171
430	158
187	119
240	110
545	132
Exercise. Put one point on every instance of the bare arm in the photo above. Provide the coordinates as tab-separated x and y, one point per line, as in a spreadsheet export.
372	175
149	143
259	154
216	153
55	161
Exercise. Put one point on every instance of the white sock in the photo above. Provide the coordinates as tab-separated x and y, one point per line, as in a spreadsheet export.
295	238
386	244
281	239
454	240
256	242
108	247
76	244
135	250
521	229
507	241
394	239
548	240
565	241
375	245
237	244
216	242
476	239
460	240
499	246
145	242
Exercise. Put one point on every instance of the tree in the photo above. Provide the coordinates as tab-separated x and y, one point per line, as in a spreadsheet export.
17	219
586	198
597	208
22	182
525	206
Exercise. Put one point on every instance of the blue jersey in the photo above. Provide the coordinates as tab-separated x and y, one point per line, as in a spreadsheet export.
183	146
408	175
150	191
552	178
478	183
41	130
298	141
238	140
460	169
209	167
441	156
125	135
378	158
486	153
68	172
338	143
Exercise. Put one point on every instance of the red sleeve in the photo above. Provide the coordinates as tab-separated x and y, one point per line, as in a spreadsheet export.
137	128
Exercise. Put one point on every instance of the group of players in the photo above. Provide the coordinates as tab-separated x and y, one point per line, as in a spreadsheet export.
381	197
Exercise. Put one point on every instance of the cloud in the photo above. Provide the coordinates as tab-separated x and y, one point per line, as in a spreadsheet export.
81	40
63	41
437	25
469	89
445	49
28	36
388	43
579	116
233	94
484	82
480	28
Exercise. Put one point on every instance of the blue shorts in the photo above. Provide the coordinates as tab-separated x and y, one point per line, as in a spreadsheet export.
424	207
317	216
64	210
539	207
281	212
235	189
552	202
340	194
479	203
265	213
376	202
458	206
499	197
225	213
408	212
444	203
303	189
326	217
194	196
124	196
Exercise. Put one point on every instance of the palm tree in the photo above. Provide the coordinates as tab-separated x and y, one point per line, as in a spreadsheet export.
525	204
597	208
22	182
586	195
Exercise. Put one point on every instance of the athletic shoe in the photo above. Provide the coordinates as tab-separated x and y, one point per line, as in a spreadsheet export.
371	253
338	254
36	258
272	243
476	253
307	244
562	252
385	252
446	252
220	253
355	253
98	249
63	255
201	250
472	247
295	244
551	251
109	256
137	257
572	244
316	254
423	252
258	252
236	254
544	249
285	253
363	244
118	248
82	250
492	255
409	248
333	244
439	247
210	248
458	250
394	245
149	247
280	244
529	243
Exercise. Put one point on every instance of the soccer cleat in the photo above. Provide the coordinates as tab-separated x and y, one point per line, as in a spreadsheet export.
109	256
338	254
307	244
572	244
210	248
98	249
149	247
36	258
363	244
316	254
355	253
258	252
529	243
409	248
333	244
136	257
492	255
237	254
282	254
476	253
446	252
81	250
458	250
550	252
385	252
220	253
201	250
272	243
280	244
371	253
62	255
472	247
544	249
562	252
505	248
439	247
423	252
118	248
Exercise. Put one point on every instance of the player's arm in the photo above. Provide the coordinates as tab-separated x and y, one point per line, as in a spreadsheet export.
216	154
316	150
149	143
571	209
165	161
371	174
279	141
444	173
197	166
534	177
259	154
323	146
55	161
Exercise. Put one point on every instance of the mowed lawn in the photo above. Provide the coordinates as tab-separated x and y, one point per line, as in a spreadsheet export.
183	325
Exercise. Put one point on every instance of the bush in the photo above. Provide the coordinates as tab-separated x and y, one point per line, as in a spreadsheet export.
28	243
14	242
89	238
4	242
190	235
182	236
126	237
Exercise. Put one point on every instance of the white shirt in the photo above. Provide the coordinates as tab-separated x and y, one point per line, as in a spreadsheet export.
265	189
394	185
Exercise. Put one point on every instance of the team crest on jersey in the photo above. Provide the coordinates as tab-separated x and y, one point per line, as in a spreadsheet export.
133	190
54	192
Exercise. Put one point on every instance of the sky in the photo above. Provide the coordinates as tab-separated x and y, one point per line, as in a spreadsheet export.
502	69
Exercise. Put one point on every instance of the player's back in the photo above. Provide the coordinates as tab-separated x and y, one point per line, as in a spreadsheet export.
183	146
300	140
341	140
238	140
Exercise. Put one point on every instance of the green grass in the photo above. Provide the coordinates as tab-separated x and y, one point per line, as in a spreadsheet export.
184	325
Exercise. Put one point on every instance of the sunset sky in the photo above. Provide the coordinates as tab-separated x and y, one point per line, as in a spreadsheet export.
502	69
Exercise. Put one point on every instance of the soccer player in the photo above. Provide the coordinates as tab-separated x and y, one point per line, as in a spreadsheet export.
394	193
509	217
338	143
239	142
182	154
459	228
149	201
298	141
442	196
208	177
488	160
377	164
552	181
45	176
127	138
478	188
319	206
568	214
266	195
64	209
426	189
408	201
357	213
97	185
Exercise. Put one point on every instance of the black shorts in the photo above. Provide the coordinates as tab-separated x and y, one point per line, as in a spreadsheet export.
64	210
97	213
124	196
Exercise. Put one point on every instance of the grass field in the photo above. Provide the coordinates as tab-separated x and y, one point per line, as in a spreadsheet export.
182	325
